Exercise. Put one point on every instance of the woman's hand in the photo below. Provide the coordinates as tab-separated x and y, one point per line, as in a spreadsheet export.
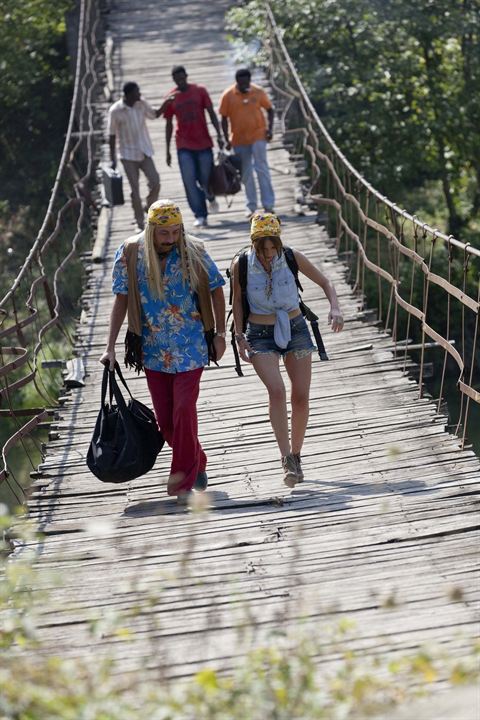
243	348
108	359
335	320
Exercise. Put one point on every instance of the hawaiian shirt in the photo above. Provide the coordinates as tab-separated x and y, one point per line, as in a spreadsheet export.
173	339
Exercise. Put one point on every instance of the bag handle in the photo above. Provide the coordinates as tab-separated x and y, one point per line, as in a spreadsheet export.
119	373
105	383
109	377
109	380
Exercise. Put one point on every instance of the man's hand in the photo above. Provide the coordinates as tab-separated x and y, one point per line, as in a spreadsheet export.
169	158
268	135
168	100
108	359
113	164
220	345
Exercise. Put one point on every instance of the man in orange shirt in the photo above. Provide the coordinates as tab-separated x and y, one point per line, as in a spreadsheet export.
243	105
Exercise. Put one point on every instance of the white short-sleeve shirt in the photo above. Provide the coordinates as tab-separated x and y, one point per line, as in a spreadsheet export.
129	126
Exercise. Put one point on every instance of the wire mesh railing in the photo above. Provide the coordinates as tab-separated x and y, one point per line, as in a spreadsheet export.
405	267
31	312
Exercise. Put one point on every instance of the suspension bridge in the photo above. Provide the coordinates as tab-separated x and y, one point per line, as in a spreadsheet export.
384	530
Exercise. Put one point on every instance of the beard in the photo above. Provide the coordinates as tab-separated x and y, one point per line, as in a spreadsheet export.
163	249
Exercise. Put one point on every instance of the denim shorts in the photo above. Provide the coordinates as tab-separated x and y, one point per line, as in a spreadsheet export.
261	340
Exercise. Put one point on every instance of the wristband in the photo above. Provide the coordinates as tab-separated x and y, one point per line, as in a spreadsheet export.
221	334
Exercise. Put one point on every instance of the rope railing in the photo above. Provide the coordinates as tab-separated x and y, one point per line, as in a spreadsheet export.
407	267
31	309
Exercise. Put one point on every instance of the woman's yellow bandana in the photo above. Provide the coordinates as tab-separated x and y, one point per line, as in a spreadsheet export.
264	225
164	213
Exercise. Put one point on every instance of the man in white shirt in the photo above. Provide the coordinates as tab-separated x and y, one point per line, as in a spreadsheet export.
126	121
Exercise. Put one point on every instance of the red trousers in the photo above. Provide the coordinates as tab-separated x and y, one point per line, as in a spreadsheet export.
174	397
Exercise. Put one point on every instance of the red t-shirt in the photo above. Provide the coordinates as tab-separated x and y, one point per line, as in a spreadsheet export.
189	109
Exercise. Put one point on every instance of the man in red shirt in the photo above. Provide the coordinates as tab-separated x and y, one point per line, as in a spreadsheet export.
194	144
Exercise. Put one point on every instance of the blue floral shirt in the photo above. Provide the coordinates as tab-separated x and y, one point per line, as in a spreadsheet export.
173	339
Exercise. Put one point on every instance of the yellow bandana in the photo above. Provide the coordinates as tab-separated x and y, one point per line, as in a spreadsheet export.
164	212
264	225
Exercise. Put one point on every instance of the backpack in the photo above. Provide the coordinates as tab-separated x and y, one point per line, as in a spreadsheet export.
307	313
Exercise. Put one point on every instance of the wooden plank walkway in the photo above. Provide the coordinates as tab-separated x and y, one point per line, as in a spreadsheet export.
383	531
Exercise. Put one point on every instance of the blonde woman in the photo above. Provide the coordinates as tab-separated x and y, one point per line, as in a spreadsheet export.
176	324
276	328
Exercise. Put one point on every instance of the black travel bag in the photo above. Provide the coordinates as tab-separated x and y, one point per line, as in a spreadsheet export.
126	439
113	186
226	175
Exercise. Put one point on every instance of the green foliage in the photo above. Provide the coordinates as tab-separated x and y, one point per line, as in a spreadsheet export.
397	85
34	82
35	87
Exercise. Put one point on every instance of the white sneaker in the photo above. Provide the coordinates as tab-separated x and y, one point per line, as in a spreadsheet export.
249	213
213	206
200	222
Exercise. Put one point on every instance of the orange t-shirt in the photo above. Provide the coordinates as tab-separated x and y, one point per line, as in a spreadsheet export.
245	112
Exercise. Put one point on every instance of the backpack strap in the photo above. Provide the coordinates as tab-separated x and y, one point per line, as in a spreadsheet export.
307	313
238	365
242	271
242	279
293	265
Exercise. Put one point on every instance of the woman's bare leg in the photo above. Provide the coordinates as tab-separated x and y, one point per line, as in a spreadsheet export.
300	374
267	367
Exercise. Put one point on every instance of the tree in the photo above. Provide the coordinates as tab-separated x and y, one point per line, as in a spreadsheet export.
396	82
34	86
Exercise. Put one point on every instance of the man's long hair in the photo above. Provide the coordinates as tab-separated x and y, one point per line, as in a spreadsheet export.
192	258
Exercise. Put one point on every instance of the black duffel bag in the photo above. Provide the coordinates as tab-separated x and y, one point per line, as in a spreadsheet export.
226	175
126	439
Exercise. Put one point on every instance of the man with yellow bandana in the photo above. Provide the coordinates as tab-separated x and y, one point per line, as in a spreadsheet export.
176	324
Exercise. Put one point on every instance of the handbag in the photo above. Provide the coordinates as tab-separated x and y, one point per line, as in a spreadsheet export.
226	175
126	439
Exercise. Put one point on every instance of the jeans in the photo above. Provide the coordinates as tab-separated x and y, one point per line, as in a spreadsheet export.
195	168
254	157
261	339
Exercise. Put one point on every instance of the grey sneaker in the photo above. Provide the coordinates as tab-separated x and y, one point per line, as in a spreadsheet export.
290	470
201	481
298	460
